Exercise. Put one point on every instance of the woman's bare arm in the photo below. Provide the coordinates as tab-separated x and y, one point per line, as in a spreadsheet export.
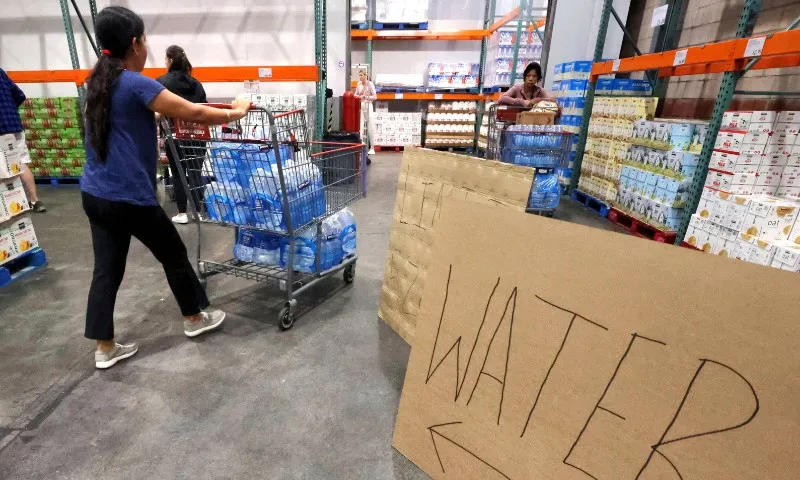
168	104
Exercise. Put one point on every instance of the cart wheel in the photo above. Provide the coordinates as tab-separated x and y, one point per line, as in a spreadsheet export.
285	318
549	214
369	161
349	273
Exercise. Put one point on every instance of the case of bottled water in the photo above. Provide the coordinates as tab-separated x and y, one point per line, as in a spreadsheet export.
337	242
545	192
255	246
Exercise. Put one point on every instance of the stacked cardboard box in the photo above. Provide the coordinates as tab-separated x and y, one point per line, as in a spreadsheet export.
757	153
755	228
393	129
54	136
609	143
16	234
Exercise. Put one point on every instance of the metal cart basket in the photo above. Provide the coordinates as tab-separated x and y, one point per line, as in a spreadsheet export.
546	148
282	194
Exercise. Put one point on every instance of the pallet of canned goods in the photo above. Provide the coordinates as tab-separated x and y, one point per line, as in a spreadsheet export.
285	196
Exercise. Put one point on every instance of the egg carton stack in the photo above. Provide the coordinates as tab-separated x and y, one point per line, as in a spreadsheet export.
450	124
758	229
17	236
54	136
608	144
397	129
500	56
483	131
757	152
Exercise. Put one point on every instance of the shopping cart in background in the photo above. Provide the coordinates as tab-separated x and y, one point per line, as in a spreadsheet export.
546	148
284	195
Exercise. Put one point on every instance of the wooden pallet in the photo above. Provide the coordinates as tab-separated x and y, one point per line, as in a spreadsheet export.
383	148
399	90
590	202
22	266
58	181
639	228
450	149
453	90
690	247
400	26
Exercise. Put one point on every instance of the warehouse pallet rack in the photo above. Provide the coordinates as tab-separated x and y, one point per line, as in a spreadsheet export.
732	58
264	73
522	17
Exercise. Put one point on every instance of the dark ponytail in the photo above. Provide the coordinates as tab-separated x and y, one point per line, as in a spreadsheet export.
180	62
116	28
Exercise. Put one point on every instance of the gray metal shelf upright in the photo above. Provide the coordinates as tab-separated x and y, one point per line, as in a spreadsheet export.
320	52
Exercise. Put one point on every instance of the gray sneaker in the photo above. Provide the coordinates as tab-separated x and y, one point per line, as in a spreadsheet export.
107	359
208	321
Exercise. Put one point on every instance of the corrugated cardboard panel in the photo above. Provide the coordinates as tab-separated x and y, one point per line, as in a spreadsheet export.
427	177
548	350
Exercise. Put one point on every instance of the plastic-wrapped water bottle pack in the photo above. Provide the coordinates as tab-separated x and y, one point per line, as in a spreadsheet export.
337	242
533	159
545	193
535	136
247	191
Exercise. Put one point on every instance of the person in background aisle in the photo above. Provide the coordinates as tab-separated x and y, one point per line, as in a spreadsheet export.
365	91
119	180
11	97
528	93
179	81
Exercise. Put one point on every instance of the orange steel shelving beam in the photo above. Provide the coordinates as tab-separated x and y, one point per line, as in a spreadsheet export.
505	19
275	73
780	50
431	96
418	35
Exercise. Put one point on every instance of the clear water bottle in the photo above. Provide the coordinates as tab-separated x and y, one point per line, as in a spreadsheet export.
265	200
227	202
267	250
245	245
305	248
348	235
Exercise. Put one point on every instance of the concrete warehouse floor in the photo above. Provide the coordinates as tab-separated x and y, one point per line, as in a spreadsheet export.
315	402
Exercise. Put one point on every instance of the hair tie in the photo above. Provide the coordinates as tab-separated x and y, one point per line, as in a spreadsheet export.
106	52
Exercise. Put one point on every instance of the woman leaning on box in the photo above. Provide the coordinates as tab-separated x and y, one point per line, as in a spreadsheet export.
119	180
529	93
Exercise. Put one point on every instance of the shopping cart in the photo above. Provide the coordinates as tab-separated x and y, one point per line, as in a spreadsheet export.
546	148
282	193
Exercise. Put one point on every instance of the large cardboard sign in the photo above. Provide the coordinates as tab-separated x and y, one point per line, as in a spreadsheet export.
547	350
427	177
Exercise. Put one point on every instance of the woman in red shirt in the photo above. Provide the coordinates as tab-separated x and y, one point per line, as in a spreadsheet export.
528	93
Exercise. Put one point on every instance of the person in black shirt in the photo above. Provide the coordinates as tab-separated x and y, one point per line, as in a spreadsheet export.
179	81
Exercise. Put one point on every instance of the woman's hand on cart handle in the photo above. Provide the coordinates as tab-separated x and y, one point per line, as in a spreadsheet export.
239	108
